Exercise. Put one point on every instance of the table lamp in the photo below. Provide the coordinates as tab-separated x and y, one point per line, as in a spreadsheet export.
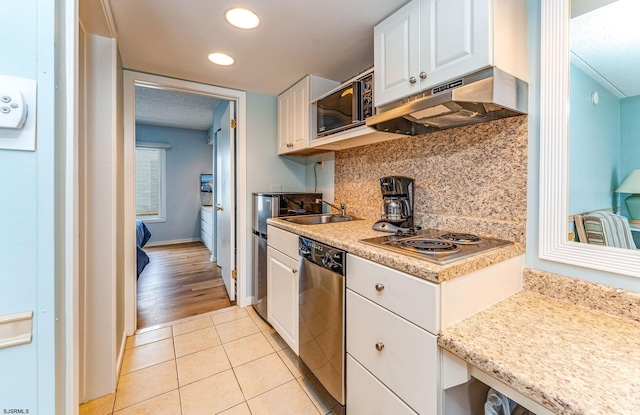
632	185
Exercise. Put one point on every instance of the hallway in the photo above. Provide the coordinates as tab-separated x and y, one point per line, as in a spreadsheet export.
180	281
227	362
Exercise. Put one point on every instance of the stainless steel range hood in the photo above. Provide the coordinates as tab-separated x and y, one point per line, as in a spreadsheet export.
482	96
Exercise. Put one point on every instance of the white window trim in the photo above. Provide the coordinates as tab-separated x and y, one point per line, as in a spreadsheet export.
162	162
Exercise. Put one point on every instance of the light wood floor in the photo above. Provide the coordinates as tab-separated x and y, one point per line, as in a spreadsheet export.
179	282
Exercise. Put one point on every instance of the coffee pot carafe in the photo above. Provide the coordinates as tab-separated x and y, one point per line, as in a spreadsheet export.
397	204
395	209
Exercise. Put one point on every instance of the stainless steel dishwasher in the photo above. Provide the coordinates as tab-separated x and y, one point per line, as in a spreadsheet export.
322	320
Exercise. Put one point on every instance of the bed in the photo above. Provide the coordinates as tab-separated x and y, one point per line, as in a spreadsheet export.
142	236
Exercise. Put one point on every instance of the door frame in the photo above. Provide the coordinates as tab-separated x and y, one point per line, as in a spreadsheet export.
131	79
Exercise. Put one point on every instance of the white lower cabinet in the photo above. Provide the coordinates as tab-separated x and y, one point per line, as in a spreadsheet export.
392	322
401	355
282	296
366	395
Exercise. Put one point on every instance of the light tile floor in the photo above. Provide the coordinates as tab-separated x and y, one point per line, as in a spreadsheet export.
227	362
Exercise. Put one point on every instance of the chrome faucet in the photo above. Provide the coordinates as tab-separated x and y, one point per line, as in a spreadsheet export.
342	208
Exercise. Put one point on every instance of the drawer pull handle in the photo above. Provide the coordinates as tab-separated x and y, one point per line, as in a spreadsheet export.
379	346
379	286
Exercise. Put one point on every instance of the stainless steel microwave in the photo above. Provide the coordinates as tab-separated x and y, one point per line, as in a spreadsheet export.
348	106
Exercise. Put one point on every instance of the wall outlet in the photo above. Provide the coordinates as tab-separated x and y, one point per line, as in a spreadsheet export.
17	113
321	161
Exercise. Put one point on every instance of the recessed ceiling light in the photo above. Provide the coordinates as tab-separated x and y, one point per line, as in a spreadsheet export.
221	59
242	18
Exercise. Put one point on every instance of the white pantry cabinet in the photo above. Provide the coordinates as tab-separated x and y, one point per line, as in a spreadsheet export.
429	42
296	118
282	284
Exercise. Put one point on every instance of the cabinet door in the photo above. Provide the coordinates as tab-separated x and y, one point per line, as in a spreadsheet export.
300	115
282	296
400	354
368	396
454	39
396	54
284	122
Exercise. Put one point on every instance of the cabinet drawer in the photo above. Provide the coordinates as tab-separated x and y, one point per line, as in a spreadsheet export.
366	395
206	239
206	215
412	298
407	363
283	241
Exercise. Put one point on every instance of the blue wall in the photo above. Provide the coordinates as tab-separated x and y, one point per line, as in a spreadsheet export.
629	141
594	145
264	167
27	209
189	156
533	195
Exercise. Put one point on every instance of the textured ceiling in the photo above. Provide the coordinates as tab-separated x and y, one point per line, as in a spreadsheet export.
174	109
607	40
329	38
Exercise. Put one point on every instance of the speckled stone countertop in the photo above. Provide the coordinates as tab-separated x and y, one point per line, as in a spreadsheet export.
565	356
347	236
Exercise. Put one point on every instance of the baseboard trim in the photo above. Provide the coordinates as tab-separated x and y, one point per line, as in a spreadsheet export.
173	242
123	346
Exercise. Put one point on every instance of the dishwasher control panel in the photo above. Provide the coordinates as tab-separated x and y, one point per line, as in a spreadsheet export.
322	255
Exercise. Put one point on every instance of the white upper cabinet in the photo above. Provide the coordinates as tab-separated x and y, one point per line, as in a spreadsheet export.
397	54
296	118
428	42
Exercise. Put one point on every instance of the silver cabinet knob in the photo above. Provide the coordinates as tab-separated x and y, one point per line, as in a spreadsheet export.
295	270
412	80
379	286
423	75
379	346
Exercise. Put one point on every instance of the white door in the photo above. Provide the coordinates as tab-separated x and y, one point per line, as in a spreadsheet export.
225	200
397	54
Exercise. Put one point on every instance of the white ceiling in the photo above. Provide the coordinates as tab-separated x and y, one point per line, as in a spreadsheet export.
329	38
174	109
607	41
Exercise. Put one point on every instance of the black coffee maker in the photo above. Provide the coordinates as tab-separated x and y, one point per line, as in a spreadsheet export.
397	204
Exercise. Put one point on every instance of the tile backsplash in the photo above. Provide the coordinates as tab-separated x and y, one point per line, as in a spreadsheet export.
471	179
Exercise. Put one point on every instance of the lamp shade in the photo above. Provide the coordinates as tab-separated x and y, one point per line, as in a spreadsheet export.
631	184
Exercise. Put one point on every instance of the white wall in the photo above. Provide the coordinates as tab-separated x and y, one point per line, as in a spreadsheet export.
28	215
99	230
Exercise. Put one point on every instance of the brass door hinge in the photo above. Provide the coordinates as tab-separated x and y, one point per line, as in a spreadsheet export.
233	123
234	274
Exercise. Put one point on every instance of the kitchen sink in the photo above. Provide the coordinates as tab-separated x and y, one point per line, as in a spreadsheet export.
319	219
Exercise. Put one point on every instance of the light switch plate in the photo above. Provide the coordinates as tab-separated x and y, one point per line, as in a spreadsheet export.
23	138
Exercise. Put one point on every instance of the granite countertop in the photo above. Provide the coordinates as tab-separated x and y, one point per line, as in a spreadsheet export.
347	236
567	357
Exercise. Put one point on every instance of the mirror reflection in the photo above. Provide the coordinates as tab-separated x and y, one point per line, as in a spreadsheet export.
604	123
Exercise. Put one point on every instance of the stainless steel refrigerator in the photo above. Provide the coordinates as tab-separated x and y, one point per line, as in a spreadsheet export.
268	205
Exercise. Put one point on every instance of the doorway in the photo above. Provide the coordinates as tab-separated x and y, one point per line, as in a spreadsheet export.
238	213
